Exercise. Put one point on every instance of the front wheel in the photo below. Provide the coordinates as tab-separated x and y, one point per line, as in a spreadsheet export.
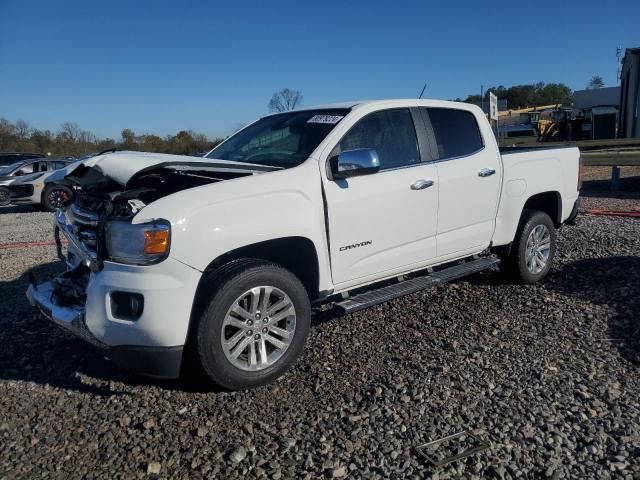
533	248
56	196
254	327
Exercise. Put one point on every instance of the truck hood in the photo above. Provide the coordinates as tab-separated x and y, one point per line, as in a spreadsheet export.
121	167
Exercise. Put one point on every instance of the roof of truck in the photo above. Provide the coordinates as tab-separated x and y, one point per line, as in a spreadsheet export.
390	101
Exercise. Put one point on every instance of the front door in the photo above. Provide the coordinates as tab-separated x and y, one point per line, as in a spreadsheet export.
382	223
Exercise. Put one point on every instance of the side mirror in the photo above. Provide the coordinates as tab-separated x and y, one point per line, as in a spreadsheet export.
352	163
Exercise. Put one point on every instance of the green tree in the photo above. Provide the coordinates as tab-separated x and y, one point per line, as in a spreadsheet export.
530	95
595	83
128	140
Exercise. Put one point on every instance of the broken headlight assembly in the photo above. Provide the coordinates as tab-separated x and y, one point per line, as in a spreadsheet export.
138	244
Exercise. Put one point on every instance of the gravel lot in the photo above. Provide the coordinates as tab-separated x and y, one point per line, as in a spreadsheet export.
548	374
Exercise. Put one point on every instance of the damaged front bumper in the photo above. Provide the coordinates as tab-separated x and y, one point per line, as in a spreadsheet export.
84	301
158	362
69	317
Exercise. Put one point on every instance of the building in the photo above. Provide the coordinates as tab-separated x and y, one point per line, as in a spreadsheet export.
630	94
599	107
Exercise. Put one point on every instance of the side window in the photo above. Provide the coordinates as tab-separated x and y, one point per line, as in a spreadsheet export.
26	170
456	131
390	132
42	167
58	165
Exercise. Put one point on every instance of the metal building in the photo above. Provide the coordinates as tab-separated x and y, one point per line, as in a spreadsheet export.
599	107
630	94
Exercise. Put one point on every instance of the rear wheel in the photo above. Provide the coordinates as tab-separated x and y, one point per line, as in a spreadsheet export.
4	196
533	248
56	196
255	325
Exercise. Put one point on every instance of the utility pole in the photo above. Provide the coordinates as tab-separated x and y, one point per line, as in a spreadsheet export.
482	97
618	55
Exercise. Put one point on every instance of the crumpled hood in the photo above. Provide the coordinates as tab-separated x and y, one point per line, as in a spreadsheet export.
123	166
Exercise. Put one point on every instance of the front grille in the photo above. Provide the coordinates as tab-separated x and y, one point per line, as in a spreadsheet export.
19	191
85	225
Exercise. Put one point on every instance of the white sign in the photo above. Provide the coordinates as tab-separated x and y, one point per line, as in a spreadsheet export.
330	119
493	106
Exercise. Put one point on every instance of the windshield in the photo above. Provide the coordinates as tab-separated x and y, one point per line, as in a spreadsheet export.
9	168
282	140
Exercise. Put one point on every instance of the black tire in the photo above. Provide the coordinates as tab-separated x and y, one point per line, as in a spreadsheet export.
56	196
226	285
514	265
5	197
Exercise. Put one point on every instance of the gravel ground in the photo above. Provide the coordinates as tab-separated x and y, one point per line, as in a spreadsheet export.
597	184
548	374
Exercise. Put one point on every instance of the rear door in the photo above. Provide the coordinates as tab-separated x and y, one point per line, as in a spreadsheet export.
469	177
385	222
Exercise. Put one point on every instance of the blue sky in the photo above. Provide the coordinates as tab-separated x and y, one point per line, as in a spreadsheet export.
162	66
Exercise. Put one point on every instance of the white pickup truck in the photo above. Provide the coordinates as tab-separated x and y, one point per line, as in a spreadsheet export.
214	263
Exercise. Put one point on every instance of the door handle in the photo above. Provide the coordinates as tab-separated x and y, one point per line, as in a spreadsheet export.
486	172
420	184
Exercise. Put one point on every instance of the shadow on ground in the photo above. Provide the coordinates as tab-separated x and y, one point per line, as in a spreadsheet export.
20	209
629	188
610	281
32	349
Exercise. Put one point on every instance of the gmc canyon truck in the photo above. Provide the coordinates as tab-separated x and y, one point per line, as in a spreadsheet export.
215	263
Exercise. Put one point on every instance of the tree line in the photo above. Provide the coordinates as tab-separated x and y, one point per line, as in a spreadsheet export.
71	140
533	95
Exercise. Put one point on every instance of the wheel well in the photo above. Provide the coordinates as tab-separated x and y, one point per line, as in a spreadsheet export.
296	254
548	202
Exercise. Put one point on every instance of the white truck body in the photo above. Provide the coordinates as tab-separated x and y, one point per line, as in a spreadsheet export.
360	229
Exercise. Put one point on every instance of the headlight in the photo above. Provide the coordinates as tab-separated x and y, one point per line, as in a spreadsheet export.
138	244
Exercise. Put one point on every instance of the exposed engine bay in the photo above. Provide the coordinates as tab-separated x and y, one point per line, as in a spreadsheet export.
100	202
99	194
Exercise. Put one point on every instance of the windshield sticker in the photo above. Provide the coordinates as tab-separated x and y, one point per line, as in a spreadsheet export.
330	119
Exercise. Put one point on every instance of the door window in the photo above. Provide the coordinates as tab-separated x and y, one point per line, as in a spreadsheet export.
26	169
390	132
456	131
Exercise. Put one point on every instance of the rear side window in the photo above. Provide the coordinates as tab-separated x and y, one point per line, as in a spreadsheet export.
456	131
390	132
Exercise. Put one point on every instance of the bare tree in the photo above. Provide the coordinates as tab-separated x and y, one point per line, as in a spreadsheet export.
23	130
69	132
284	100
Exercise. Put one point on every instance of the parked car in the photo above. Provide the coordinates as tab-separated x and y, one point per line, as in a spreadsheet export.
30	189
8	158
217	261
9	173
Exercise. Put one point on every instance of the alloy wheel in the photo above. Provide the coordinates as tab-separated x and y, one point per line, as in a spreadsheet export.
538	248
258	328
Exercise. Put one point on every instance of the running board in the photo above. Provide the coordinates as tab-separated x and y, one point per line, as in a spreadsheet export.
415	284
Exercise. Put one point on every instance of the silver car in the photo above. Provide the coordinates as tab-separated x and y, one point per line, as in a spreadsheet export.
28	185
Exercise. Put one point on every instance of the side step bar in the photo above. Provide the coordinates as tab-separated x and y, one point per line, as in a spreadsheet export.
415	284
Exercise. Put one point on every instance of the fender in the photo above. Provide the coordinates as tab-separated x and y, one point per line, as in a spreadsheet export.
211	220
528	174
